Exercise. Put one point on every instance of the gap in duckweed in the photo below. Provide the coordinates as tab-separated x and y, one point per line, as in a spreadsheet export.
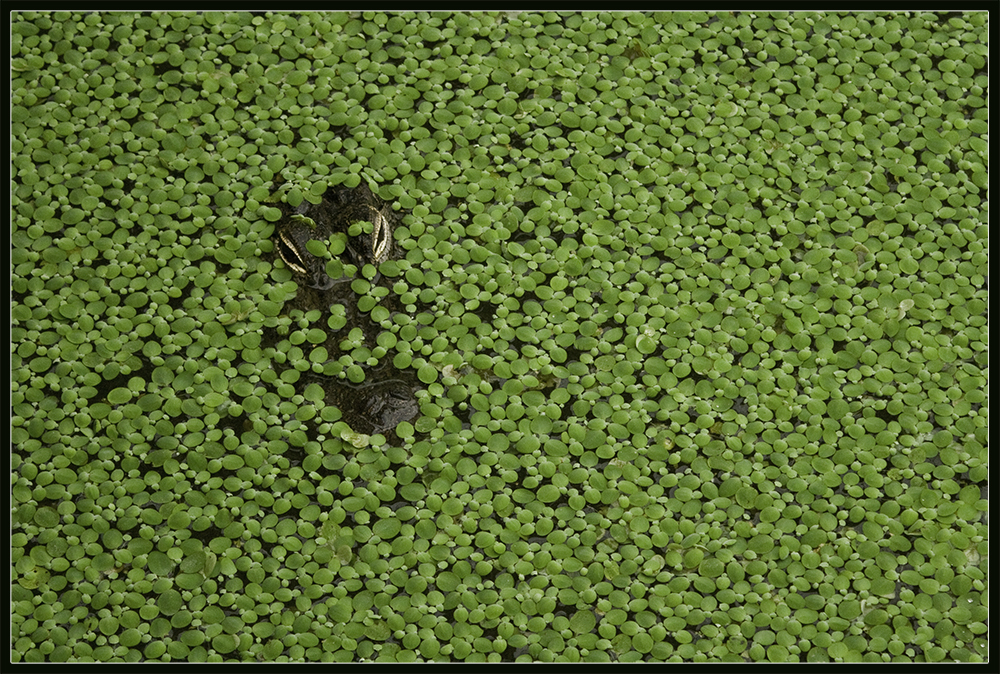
696	303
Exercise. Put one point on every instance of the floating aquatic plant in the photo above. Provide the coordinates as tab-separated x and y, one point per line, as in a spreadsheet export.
698	302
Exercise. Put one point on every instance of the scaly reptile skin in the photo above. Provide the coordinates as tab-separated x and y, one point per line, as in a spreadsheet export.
386	397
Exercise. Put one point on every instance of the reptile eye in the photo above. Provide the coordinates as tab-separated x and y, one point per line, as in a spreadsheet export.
290	254
381	236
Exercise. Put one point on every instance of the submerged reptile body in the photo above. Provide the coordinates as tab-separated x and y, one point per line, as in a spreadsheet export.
386	397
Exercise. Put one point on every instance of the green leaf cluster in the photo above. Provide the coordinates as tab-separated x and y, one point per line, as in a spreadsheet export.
697	301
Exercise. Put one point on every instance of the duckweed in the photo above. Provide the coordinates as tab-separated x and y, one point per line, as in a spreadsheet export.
698	302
